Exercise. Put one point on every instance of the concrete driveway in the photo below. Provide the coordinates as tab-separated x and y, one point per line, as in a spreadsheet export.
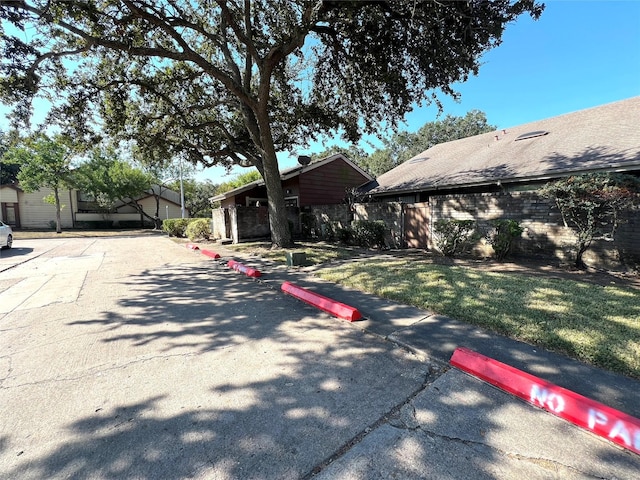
137	358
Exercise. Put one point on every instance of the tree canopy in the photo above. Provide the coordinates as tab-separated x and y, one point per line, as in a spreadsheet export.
8	171
197	195
239	181
44	163
237	81
403	145
107	179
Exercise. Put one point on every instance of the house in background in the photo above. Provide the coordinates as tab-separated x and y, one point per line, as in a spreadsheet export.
29	210
318	183
496	175
243	211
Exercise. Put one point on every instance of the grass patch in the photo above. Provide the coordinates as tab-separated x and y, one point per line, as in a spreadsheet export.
597	325
316	253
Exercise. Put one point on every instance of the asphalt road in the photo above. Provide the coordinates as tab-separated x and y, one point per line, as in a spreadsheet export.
137	358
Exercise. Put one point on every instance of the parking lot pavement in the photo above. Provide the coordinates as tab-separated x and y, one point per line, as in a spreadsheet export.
165	364
26	250
169	366
461	427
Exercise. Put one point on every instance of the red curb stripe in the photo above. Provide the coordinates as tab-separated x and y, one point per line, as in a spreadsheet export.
251	272
338	309
596	417
191	246
209	253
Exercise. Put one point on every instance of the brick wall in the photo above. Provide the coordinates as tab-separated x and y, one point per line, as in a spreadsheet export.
321	220
545	233
390	213
218	224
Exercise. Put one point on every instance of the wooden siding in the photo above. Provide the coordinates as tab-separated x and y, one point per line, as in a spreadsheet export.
8	195
327	184
36	213
259	192
148	204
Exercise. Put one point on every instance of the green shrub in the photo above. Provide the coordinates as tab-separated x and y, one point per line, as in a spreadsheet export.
455	237
502	236
309	225
369	233
343	234
175	227
198	228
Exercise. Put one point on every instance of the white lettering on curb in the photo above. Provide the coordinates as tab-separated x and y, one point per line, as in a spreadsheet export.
596	418
619	430
541	396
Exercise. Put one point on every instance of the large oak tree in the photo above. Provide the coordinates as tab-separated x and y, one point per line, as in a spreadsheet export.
237	81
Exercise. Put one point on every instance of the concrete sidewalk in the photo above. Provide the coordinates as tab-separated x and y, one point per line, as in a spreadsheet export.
436	337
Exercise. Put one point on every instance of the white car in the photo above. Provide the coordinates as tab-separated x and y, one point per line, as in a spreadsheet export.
6	235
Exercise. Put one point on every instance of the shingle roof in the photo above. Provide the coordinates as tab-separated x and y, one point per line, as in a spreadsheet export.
600	138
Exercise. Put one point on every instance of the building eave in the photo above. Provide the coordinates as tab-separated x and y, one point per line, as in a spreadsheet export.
545	177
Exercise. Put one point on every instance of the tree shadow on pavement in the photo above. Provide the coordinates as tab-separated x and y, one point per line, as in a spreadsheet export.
217	376
461	427
213	375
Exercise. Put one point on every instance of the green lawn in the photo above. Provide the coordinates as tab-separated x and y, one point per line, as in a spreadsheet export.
595	324
316	253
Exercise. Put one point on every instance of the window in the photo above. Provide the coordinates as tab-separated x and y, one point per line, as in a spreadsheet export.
290	201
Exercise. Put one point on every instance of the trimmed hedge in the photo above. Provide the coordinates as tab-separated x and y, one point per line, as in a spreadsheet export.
94	224
199	228
179	227
363	233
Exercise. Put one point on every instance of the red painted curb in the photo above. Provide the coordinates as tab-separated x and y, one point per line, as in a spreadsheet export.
338	309
596	417
209	253
191	246
251	272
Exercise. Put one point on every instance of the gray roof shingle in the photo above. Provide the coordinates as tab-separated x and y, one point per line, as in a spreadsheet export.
600	138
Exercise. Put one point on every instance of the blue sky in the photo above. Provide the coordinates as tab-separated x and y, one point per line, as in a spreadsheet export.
580	54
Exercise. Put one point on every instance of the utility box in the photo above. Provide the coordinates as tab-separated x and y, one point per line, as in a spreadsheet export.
295	259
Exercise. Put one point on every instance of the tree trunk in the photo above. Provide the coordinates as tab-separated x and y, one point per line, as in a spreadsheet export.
278	222
579	262
58	208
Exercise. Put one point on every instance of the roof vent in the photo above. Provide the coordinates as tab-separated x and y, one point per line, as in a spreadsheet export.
537	133
304	159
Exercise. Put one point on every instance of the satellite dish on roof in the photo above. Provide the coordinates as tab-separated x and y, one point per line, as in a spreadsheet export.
304	159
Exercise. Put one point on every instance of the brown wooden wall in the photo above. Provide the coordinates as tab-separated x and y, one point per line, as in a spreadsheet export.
326	185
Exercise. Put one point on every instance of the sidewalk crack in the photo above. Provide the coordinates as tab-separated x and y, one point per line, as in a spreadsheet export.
545	463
